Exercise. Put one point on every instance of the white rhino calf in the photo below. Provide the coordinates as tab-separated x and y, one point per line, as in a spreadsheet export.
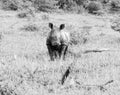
57	42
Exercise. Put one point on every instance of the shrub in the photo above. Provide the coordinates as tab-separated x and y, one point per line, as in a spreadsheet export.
104	1
114	6
115	3
81	2
30	28
44	5
66	5
22	15
45	17
15	4
40	5
116	25
71	5
7	91
94	6
9	4
80	36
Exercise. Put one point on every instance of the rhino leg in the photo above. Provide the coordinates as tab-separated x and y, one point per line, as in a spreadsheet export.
56	51
51	52
63	51
55	54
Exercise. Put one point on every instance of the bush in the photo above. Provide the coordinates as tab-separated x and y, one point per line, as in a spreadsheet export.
115	3
9	4
7	91
45	17
80	2
71	5
80	36
30	28
65	4
114	6
44	5
76	6
94	7
22	15
116	25
40	5
104	1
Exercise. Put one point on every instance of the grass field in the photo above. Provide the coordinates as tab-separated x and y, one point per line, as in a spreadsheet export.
94	56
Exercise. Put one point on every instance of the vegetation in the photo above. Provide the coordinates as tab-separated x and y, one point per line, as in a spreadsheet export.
115	3
92	65
93	7
65	5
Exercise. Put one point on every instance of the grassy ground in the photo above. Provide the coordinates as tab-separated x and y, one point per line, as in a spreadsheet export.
25	68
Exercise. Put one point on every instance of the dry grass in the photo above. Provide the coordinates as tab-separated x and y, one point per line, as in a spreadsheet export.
30	28
25	68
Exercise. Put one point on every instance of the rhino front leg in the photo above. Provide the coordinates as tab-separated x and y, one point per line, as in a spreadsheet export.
51	53
63	51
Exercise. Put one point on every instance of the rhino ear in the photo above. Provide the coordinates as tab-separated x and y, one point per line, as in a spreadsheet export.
62	26
51	25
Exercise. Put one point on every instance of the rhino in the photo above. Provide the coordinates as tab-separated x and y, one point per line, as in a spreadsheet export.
57	42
